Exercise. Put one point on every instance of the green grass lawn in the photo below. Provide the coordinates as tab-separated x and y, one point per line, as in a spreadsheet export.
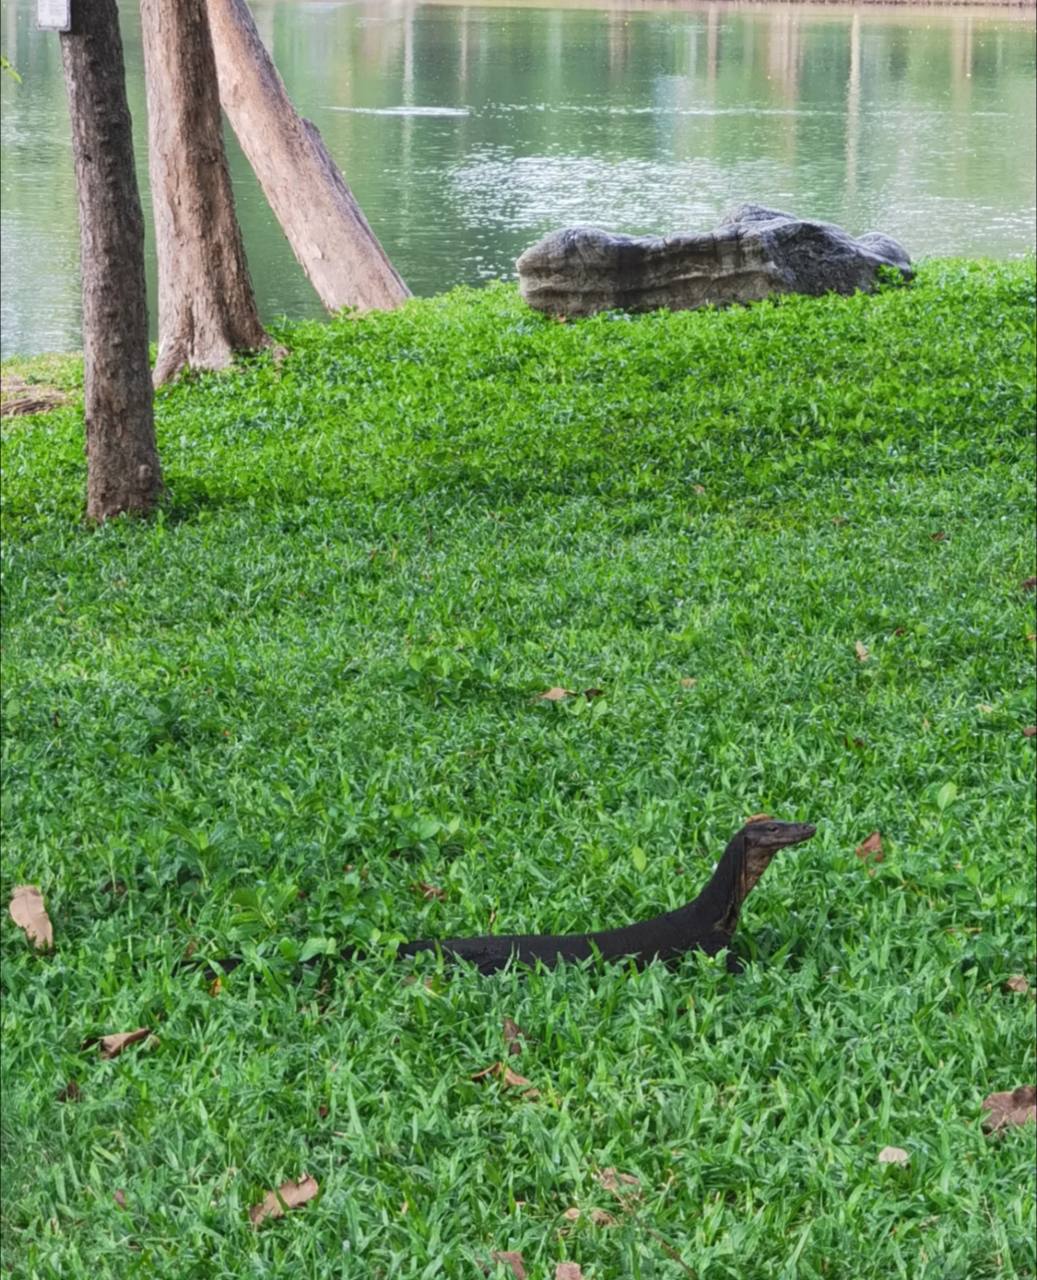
254	724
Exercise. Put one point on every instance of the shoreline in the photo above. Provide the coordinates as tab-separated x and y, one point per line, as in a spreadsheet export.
55	366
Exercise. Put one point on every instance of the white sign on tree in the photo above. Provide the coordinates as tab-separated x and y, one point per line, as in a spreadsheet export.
54	15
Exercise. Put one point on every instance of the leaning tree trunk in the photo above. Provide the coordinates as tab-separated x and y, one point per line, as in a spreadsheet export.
206	307
123	471
324	224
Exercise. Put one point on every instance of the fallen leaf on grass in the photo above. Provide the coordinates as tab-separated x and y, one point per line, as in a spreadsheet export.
861	650
1017	983
568	1271
113	1045
893	1155
555	694
612	1180
602	1218
758	817
289	1195
870	849
516	1081
509	1077
513	1259
938	537
689	682
513	1036
119	1196
1030	731
1006	1110
429	891
29	914
215	987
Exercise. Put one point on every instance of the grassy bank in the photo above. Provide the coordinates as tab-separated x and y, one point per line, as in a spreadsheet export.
255	723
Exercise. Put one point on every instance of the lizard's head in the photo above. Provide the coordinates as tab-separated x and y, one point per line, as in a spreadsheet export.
762	838
766	835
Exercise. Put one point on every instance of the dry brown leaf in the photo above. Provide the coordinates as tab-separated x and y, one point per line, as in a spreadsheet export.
1017	983
612	1180
289	1195
513	1036
758	817
215	987
119	1196
938	537
689	682
870	849
113	1045
602	1218
555	694
1014	1107
893	1155
1029	584
509	1077
568	1271
1030	731
571	1215
28	913
429	891
861	650
513	1259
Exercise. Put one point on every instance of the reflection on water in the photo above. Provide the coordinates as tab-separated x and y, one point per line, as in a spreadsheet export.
466	131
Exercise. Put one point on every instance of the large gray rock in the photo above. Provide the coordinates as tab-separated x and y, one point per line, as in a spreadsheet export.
754	253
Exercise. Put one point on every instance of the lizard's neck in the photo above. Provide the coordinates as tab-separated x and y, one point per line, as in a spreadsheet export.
716	909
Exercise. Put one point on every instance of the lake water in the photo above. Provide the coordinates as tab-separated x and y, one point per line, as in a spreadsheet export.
468	130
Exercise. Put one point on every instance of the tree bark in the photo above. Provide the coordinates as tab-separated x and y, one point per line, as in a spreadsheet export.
206	306
123	470
324	224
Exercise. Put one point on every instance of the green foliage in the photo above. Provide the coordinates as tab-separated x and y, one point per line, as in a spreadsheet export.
257	720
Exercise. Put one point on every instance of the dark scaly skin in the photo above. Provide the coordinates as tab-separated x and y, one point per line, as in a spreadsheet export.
708	923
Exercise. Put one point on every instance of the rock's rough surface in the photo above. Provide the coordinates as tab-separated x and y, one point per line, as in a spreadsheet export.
754	253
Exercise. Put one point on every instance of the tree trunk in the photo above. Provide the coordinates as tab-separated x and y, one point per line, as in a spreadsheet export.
206	307
323	222
123	471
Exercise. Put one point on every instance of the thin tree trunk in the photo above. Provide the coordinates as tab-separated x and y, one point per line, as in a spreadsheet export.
123	470
324	224
206	307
